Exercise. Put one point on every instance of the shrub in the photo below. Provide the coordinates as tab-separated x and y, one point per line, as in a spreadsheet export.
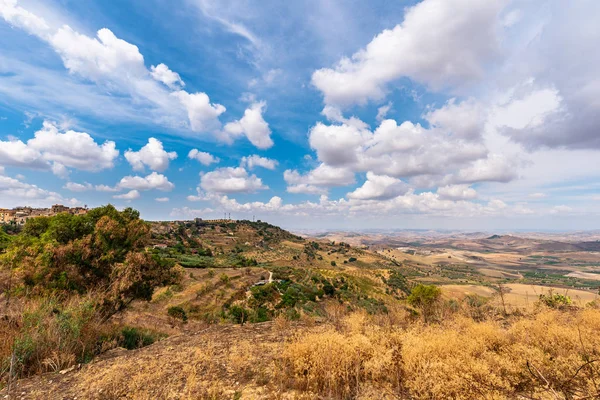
52	335
423	296
239	314
333	263
177	312
555	300
103	251
134	338
224	278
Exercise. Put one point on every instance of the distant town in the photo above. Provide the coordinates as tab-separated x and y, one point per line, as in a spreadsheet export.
19	215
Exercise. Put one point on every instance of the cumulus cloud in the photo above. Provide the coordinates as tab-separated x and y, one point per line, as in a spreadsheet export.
495	168
163	74
203	157
456	192
427	203
78	187
252	125
565	97
53	150
106	188
149	182
306	189
131	195
318	179
14	192
399	151
118	67
379	187
462	120
453	54
17	154
202	114
257	161
73	149
152	155
162	199
189	213
231	180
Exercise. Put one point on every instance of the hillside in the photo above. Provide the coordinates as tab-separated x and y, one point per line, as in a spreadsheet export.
107	306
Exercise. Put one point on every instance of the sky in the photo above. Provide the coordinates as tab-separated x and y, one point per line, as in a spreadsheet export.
312	114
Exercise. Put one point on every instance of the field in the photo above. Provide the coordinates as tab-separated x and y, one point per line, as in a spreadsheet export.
519	296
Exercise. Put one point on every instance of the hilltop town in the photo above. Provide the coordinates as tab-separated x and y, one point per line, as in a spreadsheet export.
19	215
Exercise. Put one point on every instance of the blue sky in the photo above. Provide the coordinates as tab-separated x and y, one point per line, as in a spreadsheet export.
448	114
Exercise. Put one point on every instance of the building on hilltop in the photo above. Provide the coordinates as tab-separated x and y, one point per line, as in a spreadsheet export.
20	215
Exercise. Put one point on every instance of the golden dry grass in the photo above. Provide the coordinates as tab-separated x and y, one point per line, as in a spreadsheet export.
518	295
547	355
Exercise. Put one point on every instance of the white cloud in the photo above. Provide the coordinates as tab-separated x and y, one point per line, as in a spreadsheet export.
203	115
495	168
538	195
14	192
561	209
324	176
203	157
306	189
456	192
106	188
73	149
163	74
20	17
401	151
150	182
118	68
162	199
53	150
379	187
231	180
152	155
17	154
452	54
252	125
383	111
131	195
464	120
78	187
257	161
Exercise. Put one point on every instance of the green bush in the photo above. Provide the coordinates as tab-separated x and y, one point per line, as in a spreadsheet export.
239	314
135	338
424	296
264	294
397	282
555	300
103	251
177	312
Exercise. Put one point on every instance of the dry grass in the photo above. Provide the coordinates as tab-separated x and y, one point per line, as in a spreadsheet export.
519	295
550	354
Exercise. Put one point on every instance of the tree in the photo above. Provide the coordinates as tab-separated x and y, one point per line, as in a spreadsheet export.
103	251
425	298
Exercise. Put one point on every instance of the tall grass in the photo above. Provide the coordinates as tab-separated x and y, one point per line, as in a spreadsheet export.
552	354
